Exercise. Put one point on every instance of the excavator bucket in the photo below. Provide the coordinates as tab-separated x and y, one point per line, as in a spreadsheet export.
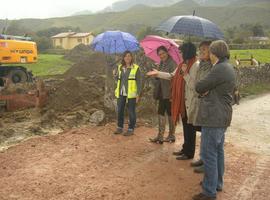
22	96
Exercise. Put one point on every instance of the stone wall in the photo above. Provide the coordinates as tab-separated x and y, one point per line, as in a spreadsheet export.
249	75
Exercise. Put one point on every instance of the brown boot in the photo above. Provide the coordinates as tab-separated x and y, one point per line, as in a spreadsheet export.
171	136
161	129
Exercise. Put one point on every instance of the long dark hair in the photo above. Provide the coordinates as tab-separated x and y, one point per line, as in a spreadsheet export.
188	50
123	63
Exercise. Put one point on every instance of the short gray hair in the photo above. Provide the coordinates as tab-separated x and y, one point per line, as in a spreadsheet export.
220	49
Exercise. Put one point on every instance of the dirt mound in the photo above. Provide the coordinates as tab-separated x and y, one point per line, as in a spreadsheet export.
78	53
81	94
74	92
94	63
73	101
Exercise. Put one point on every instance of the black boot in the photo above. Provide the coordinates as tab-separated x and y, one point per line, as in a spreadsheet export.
178	153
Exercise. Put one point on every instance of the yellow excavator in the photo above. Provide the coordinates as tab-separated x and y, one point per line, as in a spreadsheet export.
16	50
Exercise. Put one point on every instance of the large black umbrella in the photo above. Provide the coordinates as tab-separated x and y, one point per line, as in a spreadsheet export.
191	25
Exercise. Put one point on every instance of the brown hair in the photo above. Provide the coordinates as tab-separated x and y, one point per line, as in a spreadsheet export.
220	49
162	48
205	43
123	63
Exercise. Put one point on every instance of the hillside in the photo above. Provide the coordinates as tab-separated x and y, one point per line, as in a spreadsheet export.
123	5
132	19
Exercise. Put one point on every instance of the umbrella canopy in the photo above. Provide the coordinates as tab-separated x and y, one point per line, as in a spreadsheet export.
114	42
192	25
151	43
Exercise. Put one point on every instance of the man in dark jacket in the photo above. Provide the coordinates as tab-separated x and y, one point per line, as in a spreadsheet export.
214	116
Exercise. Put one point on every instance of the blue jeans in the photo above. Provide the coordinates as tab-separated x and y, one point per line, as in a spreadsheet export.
212	154
131	104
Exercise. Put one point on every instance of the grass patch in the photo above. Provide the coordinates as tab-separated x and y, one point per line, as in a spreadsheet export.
261	55
49	64
255	89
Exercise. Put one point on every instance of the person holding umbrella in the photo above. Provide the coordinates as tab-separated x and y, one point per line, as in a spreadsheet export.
127	75
162	93
183	97
164	51
128	91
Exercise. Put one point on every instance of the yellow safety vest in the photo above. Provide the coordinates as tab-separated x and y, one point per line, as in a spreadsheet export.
132	84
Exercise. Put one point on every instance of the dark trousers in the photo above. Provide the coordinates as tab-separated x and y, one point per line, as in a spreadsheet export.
164	106
131	104
189	138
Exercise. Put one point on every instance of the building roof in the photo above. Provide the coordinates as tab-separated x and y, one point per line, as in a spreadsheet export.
81	35
259	38
71	35
63	35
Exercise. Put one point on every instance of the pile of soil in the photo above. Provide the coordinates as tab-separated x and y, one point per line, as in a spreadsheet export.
72	101
94	63
78	53
74	92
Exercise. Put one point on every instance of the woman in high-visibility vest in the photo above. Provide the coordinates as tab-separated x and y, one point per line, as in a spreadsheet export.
127	92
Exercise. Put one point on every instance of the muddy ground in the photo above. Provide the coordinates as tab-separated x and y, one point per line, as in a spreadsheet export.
92	163
57	152
74	98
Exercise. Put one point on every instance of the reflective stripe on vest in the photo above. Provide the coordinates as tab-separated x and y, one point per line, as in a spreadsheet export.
132	84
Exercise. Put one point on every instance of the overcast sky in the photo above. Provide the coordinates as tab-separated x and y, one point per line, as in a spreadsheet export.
15	9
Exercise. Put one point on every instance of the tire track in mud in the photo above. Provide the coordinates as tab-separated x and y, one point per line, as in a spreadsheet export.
249	186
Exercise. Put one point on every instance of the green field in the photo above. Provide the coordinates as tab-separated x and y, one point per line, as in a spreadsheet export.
49	64
261	55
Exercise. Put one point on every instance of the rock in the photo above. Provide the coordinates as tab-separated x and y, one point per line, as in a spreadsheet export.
110	101
48	117
36	129
97	117
7	133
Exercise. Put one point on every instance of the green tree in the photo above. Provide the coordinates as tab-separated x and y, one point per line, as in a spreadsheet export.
144	31
43	43
15	28
258	30
230	33
55	30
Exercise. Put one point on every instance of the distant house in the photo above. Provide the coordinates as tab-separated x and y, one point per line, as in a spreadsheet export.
260	40
69	40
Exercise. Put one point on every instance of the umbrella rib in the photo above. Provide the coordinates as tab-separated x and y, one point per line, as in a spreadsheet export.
176	24
124	41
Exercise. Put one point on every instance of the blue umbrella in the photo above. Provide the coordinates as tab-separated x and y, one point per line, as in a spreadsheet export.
191	25
114	42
